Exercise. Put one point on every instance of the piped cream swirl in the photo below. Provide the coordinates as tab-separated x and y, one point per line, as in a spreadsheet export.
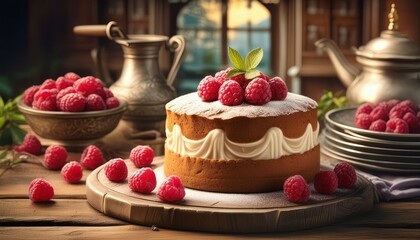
215	145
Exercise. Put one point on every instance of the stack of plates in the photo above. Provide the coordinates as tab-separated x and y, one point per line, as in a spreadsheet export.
389	152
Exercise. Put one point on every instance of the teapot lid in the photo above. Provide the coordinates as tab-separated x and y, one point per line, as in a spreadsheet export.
391	44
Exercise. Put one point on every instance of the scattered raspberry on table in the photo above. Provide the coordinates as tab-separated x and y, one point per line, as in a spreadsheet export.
143	180
72	172
296	189
326	182
346	175
55	157
92	157
116	170
171	190
142	156
40	190
30	144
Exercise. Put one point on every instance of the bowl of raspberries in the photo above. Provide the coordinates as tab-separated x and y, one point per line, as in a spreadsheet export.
71	108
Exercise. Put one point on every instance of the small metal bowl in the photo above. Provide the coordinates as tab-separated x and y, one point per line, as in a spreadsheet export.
72	128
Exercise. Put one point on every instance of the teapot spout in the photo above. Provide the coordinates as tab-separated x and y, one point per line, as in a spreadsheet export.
346	72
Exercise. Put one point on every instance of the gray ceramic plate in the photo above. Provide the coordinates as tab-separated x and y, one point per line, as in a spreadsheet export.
373	158
344	119
339	141
354	161
357	138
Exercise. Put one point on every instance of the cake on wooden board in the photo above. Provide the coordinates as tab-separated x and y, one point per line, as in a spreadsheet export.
251	139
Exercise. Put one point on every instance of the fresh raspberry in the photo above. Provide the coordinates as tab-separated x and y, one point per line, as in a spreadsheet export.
116	170
241	80
30	144
171	190
63	83
258	92
399	111
48	84
40	190
378	126
73	102
62	93
346	175
365	108
221	75
72	172
208	89
326	182
265	77
412	121
108	93
142	156
397	125
363	120
94	102
409	103
392	103
55	157
73	77
89	85
380	112
278	88
92	157
29	93
296	189
112	102
45	99
231	93
143	180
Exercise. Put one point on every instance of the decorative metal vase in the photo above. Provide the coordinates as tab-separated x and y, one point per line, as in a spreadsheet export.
141	84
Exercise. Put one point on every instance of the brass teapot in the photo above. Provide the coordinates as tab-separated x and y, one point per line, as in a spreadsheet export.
141	83
390	67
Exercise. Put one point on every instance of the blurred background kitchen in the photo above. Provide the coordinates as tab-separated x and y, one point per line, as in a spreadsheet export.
38	41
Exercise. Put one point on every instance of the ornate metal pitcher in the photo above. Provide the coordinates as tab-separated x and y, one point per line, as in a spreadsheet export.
141	83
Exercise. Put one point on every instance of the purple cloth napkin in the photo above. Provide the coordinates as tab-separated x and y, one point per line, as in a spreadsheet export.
393	187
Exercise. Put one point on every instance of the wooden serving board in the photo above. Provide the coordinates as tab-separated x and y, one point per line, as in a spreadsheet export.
221	212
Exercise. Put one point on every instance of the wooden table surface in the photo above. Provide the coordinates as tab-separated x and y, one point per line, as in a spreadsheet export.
69	216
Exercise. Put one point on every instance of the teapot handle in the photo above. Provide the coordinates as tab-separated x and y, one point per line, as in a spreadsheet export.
175	44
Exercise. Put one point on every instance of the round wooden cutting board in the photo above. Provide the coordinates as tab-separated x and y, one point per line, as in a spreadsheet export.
222	212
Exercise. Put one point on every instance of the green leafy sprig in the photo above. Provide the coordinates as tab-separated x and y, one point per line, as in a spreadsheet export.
10	159
330	101
10	121
247	66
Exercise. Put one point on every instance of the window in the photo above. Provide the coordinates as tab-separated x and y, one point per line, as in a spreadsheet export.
210	26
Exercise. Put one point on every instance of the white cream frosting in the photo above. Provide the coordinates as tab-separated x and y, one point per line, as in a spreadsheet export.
216	145
191	104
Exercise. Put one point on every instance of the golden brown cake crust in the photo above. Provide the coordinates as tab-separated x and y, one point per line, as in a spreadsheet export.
241	176
242	123
242	129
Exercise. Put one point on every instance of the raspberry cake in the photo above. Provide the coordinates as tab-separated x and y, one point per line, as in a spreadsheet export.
244	148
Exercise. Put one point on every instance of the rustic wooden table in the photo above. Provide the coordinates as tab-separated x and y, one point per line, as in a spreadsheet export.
69	216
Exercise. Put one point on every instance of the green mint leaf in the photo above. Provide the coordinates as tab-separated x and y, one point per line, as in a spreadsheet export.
253	58
252	74
236	59
234	72
18	118
2	121
5	137
18	134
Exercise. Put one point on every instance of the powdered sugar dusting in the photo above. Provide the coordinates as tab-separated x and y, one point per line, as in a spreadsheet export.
191	104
